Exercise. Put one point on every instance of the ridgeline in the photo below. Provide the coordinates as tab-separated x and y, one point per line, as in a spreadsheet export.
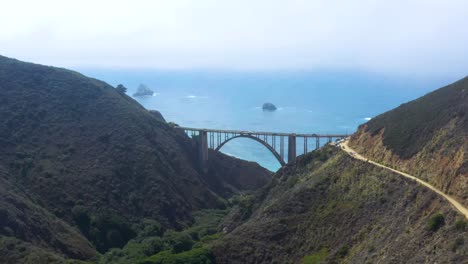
85	168
87	175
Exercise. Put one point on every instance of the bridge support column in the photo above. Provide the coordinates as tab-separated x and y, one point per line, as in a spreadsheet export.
203	150
291	148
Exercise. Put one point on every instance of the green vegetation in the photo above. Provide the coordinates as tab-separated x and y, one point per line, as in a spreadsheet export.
460	225
459	241
195	256
359	212
78	154
318	156
191	245
408	128
436	222
96	165
14	250
245	204
179	241
342	252
316	258
106	230
135	250
109	231
121	89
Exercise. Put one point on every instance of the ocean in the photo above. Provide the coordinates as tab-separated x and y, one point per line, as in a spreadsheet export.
307	101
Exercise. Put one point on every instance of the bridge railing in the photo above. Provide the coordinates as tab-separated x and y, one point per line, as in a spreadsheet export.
273	141
264	133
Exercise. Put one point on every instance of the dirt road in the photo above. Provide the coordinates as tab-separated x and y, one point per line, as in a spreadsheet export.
456	204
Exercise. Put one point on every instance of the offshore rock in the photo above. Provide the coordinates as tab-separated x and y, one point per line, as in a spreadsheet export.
143	90
269	107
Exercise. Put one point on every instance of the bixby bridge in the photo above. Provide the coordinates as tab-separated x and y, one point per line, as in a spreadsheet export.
276	143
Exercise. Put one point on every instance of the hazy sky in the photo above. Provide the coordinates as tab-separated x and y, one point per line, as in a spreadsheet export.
418	36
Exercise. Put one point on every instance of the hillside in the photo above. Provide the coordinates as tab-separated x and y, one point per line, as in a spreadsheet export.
330	208
21	220
427	137
91	162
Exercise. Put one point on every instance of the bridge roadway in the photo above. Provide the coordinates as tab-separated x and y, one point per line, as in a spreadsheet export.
273	141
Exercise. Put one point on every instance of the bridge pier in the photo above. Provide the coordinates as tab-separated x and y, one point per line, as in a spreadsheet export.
291	148
203	149
205	139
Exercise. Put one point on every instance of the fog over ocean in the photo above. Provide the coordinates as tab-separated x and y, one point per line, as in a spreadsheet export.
308	102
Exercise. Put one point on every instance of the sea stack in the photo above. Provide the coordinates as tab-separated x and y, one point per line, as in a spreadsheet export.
143	90
269	107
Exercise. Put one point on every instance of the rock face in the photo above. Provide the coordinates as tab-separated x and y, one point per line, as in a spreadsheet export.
426	137
269	107
157	115
143	90
82	156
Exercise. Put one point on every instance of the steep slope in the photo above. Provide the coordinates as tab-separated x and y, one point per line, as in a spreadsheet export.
329	207
98	160
21	218
427	137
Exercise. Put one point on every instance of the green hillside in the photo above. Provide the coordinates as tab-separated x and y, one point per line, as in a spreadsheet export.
427	137
408	128
330	208
97	162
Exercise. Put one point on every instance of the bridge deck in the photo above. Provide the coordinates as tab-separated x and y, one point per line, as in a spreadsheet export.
241	132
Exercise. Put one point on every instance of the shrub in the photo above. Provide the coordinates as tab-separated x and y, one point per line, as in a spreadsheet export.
135	251
81	218
245	203
153	245
110	231
458	242
173	245
194	256
121	89
460	225
342	252
150	228
316	258
436	222
180	241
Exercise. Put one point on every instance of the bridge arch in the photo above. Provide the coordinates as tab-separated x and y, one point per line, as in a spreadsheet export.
270	148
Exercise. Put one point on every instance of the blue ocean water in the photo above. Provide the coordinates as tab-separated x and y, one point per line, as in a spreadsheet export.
308	102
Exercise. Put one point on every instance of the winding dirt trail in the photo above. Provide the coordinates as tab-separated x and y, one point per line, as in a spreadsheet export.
456	204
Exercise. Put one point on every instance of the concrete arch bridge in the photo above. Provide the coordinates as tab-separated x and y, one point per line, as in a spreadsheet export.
276	143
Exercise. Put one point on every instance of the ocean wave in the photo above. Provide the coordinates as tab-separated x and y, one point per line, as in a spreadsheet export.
367	118
230	154
192	97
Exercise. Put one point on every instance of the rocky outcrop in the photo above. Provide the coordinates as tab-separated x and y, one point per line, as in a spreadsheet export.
426	138
269	107
156	114
143	90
